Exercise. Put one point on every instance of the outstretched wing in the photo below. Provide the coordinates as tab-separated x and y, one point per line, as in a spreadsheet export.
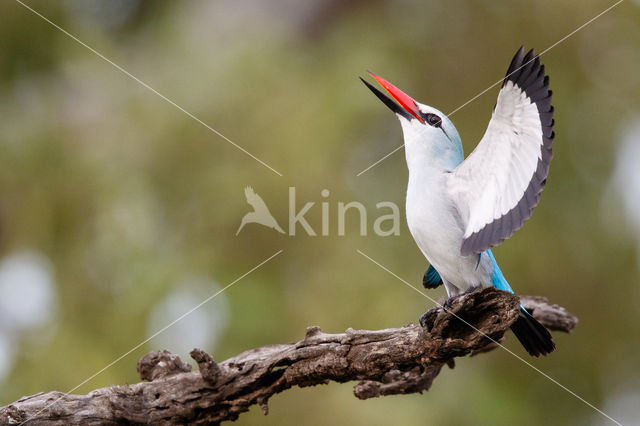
254	199
497	187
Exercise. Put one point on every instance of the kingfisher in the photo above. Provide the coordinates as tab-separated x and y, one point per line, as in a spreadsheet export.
457	208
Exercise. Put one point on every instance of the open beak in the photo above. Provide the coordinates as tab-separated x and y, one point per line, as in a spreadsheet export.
408	108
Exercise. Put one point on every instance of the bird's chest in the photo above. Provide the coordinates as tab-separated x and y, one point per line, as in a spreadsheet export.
432	218
437	229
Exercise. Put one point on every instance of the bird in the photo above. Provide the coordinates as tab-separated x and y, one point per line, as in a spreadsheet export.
260	213
457	209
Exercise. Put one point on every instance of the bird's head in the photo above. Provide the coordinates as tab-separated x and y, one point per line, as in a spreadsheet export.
429	135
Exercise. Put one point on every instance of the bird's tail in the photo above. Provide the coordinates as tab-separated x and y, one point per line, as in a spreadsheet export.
535	338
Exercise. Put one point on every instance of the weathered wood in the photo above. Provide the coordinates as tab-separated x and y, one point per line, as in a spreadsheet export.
384	362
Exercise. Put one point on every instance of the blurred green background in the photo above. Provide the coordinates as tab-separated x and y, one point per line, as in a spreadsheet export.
118	212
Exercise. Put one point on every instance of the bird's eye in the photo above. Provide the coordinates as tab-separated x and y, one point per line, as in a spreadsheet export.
433	120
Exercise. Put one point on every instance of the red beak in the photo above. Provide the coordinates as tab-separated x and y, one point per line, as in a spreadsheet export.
402	98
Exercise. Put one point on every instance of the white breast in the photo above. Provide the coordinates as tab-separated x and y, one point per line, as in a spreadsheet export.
438	231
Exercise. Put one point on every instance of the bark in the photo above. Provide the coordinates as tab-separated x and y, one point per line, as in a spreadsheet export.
384	362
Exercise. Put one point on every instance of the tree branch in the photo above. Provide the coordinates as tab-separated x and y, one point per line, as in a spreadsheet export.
385	362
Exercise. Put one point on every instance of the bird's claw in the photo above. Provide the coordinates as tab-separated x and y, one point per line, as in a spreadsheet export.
447	303
470	289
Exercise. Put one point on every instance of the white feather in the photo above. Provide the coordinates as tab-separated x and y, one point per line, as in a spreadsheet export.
493	179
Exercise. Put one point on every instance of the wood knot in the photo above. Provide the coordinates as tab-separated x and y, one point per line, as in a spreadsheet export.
312	331
209	370
155	365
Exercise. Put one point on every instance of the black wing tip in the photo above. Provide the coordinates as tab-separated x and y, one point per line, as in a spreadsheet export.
430	286
431	278
526	72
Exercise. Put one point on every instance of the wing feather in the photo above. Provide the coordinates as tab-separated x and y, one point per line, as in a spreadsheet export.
497	187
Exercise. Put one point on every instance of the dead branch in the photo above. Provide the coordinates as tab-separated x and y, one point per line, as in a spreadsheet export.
384	362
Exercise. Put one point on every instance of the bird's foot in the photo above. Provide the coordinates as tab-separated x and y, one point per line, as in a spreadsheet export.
471	289
426	319
447	303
